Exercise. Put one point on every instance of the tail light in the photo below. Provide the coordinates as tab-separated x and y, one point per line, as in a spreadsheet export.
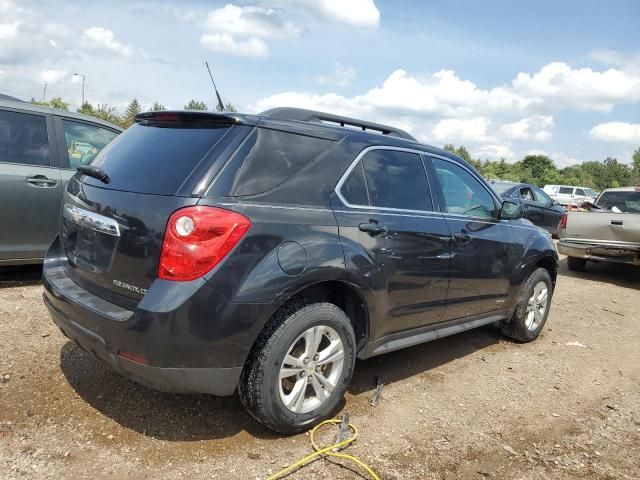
563	221
197	239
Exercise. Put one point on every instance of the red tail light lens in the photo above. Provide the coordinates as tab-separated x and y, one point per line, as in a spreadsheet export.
197	239
563	221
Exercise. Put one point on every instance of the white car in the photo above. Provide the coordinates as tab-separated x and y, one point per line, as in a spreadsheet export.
570	195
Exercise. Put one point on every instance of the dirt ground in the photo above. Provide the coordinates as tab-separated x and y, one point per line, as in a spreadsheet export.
471	406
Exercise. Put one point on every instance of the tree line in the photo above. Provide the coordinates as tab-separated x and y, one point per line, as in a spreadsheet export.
110	113
541	170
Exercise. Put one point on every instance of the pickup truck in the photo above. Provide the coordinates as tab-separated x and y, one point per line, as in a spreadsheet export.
608	232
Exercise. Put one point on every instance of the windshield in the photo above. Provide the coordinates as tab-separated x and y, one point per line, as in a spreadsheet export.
627	202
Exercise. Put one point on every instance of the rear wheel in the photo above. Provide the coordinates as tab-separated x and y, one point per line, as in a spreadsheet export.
300	367
533	308
576	264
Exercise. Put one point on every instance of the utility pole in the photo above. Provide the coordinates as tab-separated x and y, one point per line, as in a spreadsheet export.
83	80
44	93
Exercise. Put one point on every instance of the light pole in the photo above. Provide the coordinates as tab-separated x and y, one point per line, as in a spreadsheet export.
44	93
83	80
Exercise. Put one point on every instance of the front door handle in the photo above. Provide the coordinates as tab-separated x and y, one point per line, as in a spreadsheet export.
373	229
462	237
41	181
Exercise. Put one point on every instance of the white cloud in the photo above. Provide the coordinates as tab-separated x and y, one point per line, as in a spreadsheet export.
225	43
535	127
357	13
242	31
103	41
52	76
342	76
462	130
249	21
616	132
494	151
9	30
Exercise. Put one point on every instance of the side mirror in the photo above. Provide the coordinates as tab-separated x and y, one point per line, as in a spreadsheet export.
510	210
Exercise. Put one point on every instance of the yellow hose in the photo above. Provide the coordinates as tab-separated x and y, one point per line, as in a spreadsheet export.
327	451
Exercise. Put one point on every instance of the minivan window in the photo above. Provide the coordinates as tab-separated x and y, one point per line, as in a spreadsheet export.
84	141
155	159
354	190
266	159
396	179
463	193
23	138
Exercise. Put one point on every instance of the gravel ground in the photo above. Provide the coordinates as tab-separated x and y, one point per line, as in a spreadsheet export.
471	406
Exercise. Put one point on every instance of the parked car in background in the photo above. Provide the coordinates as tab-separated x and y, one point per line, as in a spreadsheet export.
280	248
40	149
608	232
538	207
570	195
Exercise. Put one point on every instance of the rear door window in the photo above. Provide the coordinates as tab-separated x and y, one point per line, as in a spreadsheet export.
397	180
23	138
266	159
84	141
155	158
526	194
566	190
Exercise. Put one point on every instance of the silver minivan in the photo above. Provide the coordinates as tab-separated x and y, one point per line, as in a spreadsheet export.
40	149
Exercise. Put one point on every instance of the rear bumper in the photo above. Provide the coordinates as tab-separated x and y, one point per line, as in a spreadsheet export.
601	253
185	337
216	381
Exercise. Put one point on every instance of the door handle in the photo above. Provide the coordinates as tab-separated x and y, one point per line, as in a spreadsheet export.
41	181
462	237
373	229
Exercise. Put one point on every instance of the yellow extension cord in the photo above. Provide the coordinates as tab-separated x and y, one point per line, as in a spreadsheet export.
327	451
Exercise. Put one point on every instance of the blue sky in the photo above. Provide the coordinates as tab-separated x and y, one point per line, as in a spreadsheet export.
503	78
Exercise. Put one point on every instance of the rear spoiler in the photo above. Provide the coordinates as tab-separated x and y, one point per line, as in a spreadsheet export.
193	118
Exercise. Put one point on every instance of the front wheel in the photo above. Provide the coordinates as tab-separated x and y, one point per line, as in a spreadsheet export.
300	367
532	309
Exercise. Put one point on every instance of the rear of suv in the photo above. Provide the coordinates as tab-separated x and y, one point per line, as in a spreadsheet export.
263	254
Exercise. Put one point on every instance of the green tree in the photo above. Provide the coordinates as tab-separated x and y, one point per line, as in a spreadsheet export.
133	109
227	108
195	105
157	107
635	162
56	102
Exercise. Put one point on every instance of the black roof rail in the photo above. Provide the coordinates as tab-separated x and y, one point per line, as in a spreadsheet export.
303	115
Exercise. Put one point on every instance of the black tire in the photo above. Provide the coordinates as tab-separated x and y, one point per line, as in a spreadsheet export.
516	328
259	383
576	264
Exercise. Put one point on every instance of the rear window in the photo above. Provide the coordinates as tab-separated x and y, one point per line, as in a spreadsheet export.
628	202
155	159
266	159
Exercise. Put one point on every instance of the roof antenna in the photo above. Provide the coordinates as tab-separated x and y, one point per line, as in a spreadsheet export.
220	104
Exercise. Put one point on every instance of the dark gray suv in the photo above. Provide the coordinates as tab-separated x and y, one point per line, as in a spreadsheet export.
40	149
263	254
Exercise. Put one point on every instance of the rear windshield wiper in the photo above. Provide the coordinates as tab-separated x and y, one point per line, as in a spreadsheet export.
95	172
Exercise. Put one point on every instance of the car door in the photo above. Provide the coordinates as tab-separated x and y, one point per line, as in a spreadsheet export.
579	196
565	195
533	210
30	186
483	250
394	241
551	212
79	141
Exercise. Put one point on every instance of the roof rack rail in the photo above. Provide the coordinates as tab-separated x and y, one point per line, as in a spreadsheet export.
303	115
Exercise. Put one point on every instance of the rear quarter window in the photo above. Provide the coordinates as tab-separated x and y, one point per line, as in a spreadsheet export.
266	159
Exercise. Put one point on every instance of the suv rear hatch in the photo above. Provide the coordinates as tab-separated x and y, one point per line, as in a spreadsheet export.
112	233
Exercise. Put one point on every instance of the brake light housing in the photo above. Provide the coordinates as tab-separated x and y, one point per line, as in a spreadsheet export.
563	221
197	239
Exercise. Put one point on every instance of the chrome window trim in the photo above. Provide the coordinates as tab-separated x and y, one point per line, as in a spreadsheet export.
354	163
91	220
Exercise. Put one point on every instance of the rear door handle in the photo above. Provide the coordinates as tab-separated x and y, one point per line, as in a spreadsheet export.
41	181
373	229
462	237
616	222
